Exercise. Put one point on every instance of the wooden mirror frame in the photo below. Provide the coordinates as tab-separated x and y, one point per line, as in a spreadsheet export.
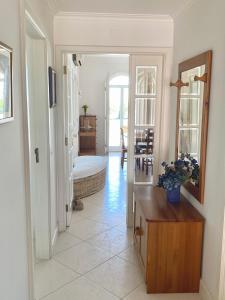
202	59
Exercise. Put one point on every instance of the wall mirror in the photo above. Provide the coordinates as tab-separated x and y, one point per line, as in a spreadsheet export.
6	107
192	115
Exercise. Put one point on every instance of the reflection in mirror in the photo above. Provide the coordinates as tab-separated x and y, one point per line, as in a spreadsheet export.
144	146
146	80
192	117
145	112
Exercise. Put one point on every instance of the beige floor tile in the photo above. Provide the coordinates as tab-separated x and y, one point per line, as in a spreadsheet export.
112	241
65	241
129	255
117	276
50	276
83	257
140	294
86	229
81	289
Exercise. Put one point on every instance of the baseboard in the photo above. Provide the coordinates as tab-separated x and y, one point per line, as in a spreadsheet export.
204	292
54	238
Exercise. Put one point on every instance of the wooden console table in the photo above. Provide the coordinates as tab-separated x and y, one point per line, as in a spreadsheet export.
87	135
168	239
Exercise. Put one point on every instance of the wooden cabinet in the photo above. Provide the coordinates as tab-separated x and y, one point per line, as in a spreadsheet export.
87	135
168	240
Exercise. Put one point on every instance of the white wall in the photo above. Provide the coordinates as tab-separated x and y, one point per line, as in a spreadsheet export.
198	29
113	30
13	258
94	74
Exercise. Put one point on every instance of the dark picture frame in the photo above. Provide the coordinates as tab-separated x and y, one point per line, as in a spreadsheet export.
52	87
6	84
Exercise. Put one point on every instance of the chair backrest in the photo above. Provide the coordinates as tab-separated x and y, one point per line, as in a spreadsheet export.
122	139
150	141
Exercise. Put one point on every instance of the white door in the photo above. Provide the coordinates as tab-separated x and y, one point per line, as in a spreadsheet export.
37	94
71	95
144	118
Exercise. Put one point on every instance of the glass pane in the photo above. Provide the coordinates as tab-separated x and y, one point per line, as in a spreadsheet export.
143	153
114	116
114	103
194	86
114	133
189	111
125	103
125	114
191	106
189	141
143	176
144	112
146	80
119	80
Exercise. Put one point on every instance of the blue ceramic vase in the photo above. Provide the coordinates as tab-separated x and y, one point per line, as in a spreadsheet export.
174	195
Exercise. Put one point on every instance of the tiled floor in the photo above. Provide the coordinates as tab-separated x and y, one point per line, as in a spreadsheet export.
95	259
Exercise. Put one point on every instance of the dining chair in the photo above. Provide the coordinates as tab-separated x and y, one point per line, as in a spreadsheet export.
123	148
148	162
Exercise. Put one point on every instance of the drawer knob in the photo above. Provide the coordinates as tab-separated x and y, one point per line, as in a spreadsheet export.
138	231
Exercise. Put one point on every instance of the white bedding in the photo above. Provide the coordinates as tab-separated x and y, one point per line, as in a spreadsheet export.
88	165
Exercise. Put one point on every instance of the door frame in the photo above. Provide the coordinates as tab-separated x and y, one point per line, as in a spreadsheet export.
27	13
166	54
44	209
122	87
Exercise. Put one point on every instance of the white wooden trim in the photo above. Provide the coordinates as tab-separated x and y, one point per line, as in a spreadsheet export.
6	120
24	14
125	16
204	292
42	250
30	254
54	238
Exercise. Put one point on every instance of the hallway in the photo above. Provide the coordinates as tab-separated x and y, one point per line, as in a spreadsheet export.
95	259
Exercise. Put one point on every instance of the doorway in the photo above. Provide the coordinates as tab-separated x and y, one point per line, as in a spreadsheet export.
118	110
97	104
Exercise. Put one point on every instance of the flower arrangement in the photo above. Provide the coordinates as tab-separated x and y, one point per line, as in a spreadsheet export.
85	107
183	169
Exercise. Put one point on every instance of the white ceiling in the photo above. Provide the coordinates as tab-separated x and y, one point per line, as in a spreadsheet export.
158	7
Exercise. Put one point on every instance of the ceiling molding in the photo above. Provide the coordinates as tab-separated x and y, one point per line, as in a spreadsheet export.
91	15
178	12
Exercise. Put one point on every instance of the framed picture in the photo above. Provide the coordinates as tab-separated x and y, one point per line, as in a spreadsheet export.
52	87
6	103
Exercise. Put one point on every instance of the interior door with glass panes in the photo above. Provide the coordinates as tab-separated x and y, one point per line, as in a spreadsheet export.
146	83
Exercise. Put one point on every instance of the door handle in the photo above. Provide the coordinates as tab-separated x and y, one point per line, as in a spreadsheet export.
36	151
